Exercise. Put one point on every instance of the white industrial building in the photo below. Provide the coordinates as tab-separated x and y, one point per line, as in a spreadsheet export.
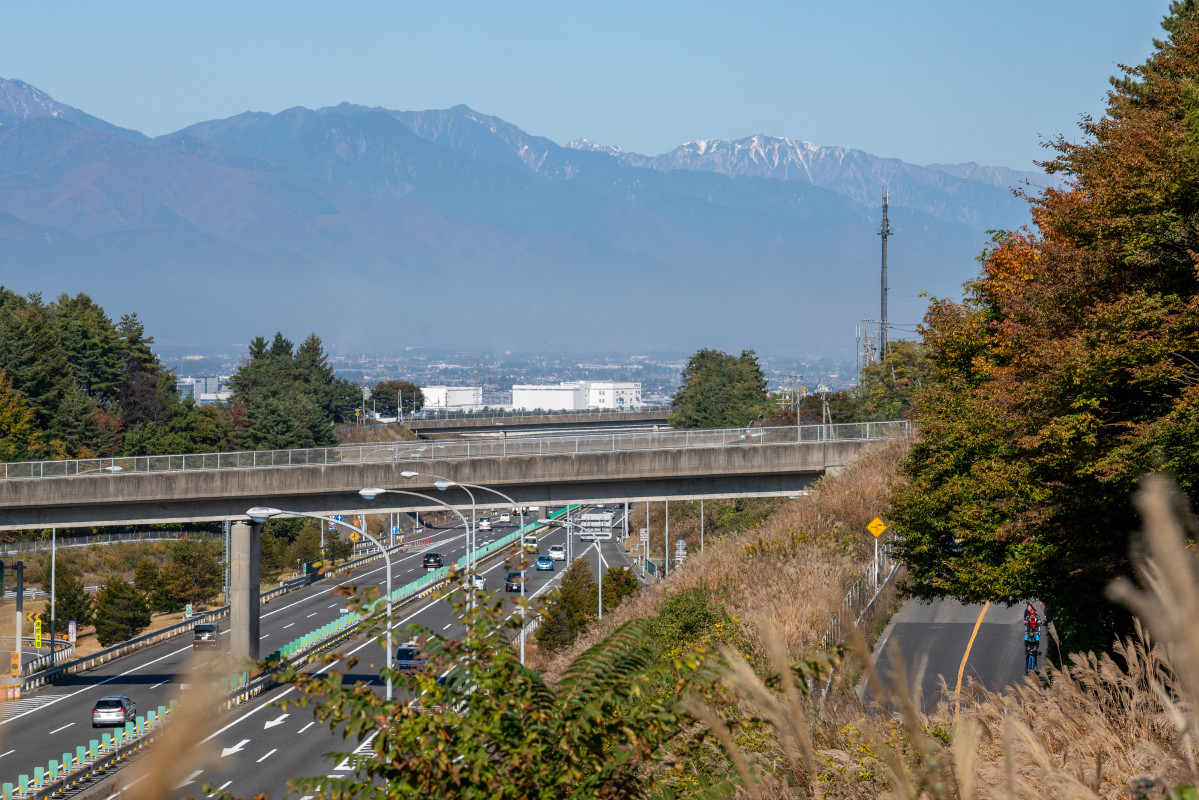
577	396
562	397
613	395
452	398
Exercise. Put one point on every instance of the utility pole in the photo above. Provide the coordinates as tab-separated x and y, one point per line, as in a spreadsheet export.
53	560
884	231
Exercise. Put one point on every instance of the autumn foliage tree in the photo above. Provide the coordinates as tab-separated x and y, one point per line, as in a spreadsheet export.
1072	367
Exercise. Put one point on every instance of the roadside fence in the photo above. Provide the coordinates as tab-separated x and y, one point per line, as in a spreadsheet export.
27	546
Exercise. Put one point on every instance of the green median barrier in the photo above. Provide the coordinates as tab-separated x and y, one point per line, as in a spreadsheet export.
39	774
52	770
173	705
106	742
23	784
93	747
81	753
7	791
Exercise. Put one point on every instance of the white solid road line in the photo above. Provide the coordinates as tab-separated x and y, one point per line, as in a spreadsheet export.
63	728
306	727
155	686
9	753
268	755
92	687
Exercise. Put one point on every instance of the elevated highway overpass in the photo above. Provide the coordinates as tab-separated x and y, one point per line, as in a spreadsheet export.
652	465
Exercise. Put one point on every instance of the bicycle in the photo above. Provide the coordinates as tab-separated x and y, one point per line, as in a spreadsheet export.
1032	660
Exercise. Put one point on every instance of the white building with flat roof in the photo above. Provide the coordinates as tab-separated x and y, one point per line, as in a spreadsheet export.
453	398
613	395
560	397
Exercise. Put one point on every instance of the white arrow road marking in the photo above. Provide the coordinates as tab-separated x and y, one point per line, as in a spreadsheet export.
273	722
190	779
237	748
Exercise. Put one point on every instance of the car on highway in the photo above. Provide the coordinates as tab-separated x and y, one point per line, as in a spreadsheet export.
513	581
485	524
530	544
409	659
505	517
206	634
558	552
113	709
479	582
432	561
545	562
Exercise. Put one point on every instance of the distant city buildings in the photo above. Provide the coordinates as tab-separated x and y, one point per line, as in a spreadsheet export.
205	390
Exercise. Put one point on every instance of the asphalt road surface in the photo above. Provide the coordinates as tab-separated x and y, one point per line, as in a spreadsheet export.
983	643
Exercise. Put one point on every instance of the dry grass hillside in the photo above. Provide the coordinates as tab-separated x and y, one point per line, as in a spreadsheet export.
790	572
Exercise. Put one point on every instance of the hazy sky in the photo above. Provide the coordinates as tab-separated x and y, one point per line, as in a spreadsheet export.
929	80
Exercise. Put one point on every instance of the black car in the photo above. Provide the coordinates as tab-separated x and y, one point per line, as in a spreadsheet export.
513	582
432	561
409	659
206	634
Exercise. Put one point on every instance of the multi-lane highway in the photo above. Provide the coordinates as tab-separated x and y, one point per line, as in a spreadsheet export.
259	746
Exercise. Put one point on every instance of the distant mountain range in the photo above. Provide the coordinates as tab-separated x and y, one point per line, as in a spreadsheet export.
381	229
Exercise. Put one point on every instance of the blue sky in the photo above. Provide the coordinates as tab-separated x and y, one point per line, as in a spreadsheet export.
925	81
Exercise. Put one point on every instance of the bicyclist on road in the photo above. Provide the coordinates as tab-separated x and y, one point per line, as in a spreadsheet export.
1032	648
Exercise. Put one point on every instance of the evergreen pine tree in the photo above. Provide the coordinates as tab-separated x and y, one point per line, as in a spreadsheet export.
121	612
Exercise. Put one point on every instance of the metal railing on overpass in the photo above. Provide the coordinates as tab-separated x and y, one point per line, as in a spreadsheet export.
458	449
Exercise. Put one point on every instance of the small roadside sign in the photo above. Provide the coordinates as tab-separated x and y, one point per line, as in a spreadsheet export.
37	634
354	536
645	535
395	529
71	631
34	617
876	527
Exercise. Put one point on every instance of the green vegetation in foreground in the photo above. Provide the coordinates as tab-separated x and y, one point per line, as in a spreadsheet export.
1071	369
503	732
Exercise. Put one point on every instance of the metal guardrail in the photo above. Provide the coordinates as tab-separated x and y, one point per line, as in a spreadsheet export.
37	545
90	760
456	449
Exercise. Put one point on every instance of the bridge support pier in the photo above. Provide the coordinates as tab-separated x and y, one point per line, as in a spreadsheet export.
244	580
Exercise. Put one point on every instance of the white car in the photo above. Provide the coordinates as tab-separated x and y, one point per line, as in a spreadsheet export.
558	552
505	517
484	524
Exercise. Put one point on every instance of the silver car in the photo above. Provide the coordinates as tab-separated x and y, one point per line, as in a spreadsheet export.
113	709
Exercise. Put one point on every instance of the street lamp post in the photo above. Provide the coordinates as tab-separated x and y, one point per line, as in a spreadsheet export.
466	487
260	514
444	483
600	563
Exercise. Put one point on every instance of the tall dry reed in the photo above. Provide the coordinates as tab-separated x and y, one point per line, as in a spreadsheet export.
1104	726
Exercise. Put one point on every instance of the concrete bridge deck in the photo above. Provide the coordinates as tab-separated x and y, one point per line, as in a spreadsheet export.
534	471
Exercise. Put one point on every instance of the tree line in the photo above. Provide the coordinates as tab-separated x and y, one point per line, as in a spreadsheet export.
75	384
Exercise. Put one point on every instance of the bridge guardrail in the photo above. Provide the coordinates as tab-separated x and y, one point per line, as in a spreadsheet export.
455	449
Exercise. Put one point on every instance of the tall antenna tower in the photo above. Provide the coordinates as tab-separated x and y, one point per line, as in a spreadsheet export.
884	231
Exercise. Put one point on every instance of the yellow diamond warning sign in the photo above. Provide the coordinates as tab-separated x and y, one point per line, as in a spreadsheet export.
353	536
876	527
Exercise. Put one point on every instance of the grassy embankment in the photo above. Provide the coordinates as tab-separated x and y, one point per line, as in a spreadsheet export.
1103	724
